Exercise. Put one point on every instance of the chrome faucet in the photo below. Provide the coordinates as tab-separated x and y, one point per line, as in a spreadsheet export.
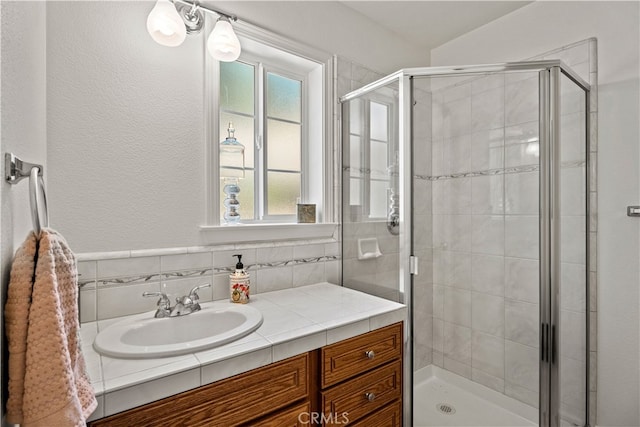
184	305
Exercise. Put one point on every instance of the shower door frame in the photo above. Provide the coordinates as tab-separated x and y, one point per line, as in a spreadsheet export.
550	73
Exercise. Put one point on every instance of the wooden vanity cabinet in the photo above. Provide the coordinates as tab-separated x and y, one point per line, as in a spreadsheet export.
233	401
361	378
354	382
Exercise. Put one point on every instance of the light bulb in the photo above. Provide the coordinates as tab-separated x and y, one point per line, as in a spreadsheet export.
223	44
165	25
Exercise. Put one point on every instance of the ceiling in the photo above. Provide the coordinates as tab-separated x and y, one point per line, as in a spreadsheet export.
432	23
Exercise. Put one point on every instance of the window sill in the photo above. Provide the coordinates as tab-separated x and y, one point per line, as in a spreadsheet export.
216	234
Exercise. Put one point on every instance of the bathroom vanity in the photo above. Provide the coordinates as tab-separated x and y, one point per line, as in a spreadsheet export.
324	354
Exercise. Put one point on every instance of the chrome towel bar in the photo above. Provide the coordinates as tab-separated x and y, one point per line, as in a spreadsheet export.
16	170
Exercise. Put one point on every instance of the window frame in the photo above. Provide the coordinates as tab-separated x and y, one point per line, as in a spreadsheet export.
325	131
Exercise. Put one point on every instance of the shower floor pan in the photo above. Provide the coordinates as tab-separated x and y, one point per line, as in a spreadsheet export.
442	398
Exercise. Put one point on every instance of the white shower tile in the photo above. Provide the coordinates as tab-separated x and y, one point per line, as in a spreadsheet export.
458	153
487	354
522	133
492	81
462	369
457	306
522	193
487	109
487	380
522	321
460	233
522	279
517	155
573	287
442	267
487	314
461	270
522	394
521	365
521	236
488	234
573	385
521	101
438	335
487	150
573	136
573	335
573	242
488	274
487	194
457	343
456	118
459	191
438	301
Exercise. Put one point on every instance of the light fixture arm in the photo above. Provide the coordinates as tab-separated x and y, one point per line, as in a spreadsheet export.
195	6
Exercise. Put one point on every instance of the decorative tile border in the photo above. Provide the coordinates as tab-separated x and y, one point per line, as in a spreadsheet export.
183	274
499	171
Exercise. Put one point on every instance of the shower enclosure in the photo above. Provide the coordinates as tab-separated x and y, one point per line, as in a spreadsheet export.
465	197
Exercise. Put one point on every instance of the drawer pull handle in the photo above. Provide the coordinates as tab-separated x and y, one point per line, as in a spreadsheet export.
370	396
370	354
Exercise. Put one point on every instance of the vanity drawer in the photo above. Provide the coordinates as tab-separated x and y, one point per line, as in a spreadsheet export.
230	402
365	394
295	416
351	357
390	416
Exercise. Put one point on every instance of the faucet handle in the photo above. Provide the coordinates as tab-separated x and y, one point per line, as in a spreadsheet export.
162	302
193	294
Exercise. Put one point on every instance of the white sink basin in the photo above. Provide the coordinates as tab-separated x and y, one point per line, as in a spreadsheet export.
142	336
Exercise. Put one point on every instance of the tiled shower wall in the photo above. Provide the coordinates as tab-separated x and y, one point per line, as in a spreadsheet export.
483	187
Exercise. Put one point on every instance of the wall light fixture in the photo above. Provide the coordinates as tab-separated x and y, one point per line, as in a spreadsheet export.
169	23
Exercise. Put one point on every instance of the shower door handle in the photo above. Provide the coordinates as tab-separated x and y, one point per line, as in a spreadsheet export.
543	341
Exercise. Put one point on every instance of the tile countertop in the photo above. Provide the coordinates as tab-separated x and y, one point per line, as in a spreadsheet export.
295	321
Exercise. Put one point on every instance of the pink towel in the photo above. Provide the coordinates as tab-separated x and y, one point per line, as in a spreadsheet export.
48	383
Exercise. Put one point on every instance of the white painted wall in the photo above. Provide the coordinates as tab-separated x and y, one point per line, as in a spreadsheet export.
543	26
125	121
333	27
23	120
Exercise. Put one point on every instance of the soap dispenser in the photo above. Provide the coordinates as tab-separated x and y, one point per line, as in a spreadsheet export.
239	283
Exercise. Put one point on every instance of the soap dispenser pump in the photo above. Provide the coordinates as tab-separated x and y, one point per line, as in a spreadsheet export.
239	283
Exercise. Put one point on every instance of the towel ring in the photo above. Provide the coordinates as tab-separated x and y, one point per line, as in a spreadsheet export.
36	183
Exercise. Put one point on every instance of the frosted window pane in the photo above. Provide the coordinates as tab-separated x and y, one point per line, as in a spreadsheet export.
283	145
236	87
378	199
355	116
283	97
244	133
283	192
245	197
379	118
355	155
379	159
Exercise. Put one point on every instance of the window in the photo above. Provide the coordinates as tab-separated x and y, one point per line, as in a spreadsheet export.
276	103
371	154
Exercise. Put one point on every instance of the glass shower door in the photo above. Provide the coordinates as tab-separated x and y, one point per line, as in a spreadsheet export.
573	278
